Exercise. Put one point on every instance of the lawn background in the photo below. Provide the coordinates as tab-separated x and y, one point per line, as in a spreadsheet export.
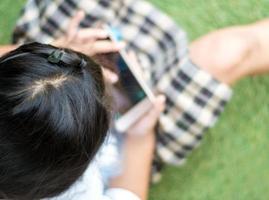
232	162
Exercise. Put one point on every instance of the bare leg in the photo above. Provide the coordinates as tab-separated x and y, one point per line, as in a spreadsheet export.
232	53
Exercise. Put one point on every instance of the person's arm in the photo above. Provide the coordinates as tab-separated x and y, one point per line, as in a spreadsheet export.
138	153
6	48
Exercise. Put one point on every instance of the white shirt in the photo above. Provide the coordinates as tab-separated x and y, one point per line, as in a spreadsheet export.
92	185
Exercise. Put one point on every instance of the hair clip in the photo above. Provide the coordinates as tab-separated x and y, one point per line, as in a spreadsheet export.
82	64
56	56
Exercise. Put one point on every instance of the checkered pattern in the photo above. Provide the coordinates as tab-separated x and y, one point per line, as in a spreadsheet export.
194	98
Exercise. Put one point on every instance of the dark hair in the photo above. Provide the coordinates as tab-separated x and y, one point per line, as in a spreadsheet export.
53	119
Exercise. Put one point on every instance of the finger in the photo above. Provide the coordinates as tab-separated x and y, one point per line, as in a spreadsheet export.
92	34
151	118
110	76
106	47
158	108
99	24
74	25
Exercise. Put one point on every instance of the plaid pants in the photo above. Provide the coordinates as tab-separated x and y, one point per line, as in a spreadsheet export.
194	98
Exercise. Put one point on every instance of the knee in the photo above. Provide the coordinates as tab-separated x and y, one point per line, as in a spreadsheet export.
224	53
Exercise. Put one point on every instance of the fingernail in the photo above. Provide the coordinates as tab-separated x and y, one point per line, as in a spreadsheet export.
103	33
114	78
162	98
81	13
120	45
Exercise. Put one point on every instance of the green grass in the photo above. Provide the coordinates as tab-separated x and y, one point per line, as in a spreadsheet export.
232	162
9	12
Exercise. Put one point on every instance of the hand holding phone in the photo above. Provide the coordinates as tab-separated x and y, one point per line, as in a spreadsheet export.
132	97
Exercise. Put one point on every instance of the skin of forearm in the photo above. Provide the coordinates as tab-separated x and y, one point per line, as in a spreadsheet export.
137	162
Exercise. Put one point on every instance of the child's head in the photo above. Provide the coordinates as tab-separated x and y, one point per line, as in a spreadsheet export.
53	119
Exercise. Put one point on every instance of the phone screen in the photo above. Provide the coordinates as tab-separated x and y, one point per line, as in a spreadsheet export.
127	92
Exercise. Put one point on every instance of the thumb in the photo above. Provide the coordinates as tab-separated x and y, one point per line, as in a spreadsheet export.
110	76
74	25
153	115
147	123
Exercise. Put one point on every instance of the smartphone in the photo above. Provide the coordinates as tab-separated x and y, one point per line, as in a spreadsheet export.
131	94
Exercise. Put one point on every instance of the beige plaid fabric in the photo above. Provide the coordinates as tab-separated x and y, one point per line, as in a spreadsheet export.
194	98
